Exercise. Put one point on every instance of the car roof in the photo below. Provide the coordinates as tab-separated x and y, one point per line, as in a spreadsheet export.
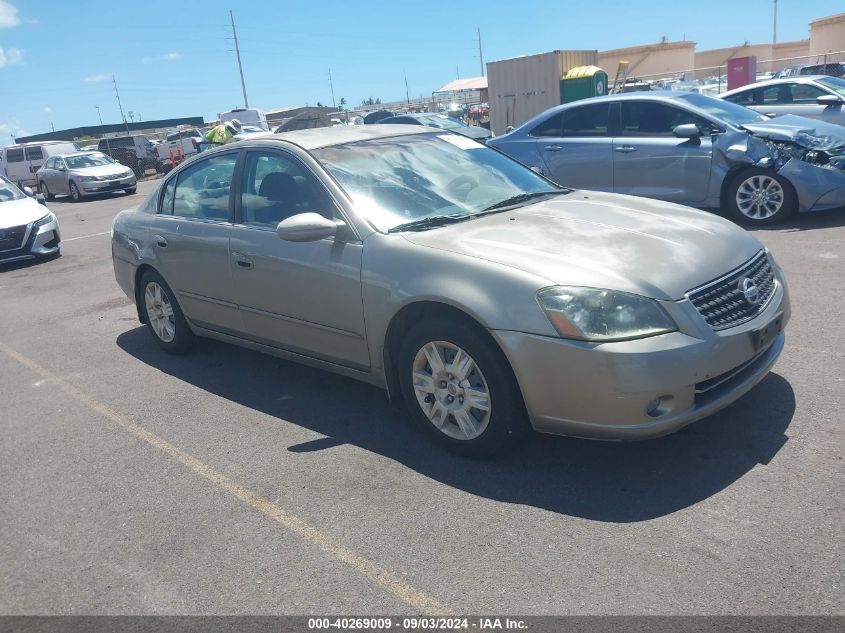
31	143
776	82
325	136
86	152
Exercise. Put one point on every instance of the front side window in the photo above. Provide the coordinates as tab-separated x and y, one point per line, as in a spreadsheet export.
277	186
589	120
806	94
650	118
202	190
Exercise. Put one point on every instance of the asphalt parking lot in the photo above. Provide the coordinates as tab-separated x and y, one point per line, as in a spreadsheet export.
228	482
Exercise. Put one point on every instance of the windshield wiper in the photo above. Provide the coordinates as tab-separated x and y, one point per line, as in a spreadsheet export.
523	197
429	223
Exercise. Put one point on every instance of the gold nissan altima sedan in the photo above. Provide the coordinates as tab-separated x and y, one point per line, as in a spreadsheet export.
488	298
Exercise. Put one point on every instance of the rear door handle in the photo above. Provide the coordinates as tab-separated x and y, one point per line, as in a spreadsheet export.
625	149
242	261
553	148
160	241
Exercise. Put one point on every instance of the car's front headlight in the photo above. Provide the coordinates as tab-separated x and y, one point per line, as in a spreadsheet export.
44	220
596	314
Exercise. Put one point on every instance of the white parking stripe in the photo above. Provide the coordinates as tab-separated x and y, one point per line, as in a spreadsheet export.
82	237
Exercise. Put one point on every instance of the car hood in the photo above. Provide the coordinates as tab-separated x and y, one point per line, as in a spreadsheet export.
102	170
18	212
808	133
647	247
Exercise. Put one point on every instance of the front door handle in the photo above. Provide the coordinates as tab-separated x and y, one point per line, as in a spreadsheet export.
625	149
160	241
553	148
242	261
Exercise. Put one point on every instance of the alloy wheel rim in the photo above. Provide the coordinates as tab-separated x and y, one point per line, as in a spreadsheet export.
44	189
74	191
759	197
451	390
160	312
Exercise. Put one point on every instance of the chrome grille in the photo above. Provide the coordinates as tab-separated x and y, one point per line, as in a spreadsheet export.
12	238
722	302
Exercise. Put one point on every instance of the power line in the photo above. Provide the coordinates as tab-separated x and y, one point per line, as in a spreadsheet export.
120	105
238	54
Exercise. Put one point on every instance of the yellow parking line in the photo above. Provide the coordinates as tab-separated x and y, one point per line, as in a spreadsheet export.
367	568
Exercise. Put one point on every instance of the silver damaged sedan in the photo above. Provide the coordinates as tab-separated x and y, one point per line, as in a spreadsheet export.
490	299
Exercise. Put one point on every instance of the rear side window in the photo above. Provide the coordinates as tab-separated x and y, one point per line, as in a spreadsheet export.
589	120
649	118
166	207
746	97
14	155
34	153
202	190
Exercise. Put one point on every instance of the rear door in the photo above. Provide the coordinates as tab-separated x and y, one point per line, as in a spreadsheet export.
189	238
576	148
649	160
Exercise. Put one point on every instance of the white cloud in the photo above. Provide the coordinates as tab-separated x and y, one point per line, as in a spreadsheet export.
94	78
47	109
8	15
10	56
167	57
12	129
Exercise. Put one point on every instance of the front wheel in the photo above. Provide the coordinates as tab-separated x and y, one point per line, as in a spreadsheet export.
131	190
459	388
164	316
760	197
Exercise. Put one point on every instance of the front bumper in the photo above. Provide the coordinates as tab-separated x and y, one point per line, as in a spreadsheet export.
603	390
102	186
42	241
818	188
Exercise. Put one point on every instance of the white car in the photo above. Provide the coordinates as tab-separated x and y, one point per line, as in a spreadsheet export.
28	230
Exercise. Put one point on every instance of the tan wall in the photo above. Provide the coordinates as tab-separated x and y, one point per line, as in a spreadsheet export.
719	57
791	53
827	34
651	60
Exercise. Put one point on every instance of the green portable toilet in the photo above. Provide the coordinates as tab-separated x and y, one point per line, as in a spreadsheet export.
583	82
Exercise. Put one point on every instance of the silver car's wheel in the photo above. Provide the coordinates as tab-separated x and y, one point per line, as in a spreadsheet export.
451	390
160	312
74	192
760	197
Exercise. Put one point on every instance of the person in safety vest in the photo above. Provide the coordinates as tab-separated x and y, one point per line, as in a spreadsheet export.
223	133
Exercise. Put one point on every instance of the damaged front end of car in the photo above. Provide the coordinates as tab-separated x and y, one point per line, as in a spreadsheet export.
810	154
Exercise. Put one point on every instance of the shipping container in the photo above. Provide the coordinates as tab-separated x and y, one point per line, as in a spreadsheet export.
521	87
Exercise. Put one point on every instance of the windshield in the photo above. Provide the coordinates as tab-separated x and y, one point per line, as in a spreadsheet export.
834	83
8	191
401	179
726	111
88	160
440	121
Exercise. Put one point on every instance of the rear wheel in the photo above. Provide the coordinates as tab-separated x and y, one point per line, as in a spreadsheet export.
74	192
459	388
760	197
43	186
164	316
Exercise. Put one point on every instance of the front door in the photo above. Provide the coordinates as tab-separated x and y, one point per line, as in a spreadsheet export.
189	237
576	148
650	161
304	297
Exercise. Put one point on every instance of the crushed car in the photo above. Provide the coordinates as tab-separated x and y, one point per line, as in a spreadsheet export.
688	148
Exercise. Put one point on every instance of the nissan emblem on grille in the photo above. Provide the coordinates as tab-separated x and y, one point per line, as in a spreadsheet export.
749	290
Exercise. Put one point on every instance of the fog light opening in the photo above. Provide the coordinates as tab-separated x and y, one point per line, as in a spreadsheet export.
659	406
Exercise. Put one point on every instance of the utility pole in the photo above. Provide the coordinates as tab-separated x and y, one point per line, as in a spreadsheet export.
775	26
480	53
407	96
331	85
52	129
238	55
120	105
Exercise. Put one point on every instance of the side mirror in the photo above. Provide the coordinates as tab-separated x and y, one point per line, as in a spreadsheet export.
61	168
28	191
829	100
306	227
687	130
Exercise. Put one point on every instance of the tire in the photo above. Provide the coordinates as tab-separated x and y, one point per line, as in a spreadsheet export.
777	203
74	192
49	196
131	190
489	376
164	317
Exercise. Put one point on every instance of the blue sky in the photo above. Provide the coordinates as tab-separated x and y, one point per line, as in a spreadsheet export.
57	57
